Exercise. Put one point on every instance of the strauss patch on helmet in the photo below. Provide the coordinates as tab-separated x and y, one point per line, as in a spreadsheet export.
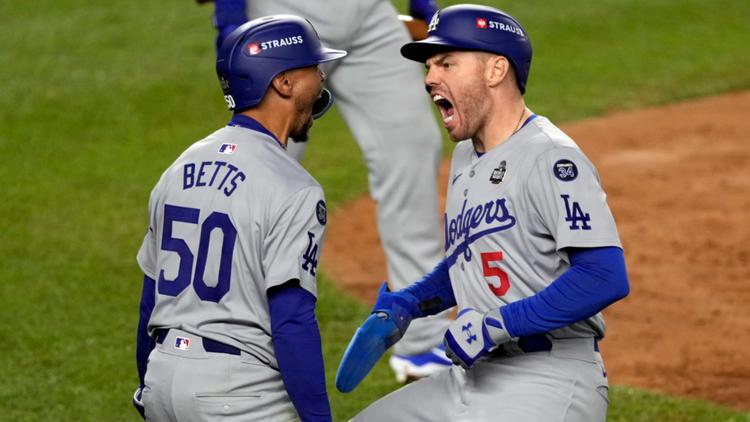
505	27
254	48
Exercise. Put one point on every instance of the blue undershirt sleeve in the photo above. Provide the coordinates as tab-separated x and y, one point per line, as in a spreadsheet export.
422	9
228	16
595	279
297	344
144	343
434	292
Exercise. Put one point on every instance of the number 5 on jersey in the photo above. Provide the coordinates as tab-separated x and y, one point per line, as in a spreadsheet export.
494	271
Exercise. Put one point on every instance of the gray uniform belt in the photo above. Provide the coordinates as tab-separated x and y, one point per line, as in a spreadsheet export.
209	345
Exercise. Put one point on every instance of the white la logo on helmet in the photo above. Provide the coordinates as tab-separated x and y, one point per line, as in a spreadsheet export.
434	22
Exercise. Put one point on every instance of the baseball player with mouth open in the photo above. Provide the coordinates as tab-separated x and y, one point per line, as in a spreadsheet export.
532	253
228	329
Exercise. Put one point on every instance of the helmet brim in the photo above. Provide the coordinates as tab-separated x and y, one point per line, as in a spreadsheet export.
330	54
421	51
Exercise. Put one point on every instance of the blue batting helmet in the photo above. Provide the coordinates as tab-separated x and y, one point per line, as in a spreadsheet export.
254	53
474	27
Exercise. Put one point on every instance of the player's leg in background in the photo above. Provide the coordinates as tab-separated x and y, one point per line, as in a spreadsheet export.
380	95
382	99
334	20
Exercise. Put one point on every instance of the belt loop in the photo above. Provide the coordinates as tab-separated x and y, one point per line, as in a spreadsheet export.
160	334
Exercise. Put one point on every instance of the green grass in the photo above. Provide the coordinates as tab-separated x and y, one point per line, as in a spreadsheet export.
97	98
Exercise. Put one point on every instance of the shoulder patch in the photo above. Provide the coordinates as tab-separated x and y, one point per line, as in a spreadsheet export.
227	148
565	170
320	212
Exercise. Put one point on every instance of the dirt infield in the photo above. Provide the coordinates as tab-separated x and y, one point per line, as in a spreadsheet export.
678	180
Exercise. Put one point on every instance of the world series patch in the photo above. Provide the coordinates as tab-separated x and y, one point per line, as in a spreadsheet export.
565	170
498	173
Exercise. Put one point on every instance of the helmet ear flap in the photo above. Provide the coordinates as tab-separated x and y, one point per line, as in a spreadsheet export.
322	104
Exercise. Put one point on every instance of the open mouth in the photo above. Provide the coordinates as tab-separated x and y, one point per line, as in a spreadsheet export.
445	107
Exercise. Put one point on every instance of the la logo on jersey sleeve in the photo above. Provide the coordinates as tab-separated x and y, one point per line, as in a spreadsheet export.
566	170
576	218
310	256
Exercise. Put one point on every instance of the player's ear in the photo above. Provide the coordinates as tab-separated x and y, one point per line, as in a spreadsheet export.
283	84
496	70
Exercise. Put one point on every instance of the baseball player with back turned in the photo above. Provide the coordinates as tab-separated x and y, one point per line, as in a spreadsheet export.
230	256
532	254
380	97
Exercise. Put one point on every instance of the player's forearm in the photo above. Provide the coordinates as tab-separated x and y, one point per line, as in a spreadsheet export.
596	279
144	343
422	9
297	345
228	16
433	292
230	12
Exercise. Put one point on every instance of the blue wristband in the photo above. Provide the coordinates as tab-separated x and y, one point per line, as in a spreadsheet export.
434	291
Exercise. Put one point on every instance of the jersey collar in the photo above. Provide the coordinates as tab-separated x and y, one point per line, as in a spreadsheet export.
249	123
527	121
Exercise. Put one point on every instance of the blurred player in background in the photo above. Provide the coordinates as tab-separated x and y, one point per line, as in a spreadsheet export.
380	97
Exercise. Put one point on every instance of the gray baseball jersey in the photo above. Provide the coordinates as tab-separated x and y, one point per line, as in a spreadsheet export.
233	216
511	212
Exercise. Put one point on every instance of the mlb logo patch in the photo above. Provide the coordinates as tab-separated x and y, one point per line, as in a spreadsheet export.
227	148
182	343
481	23
253	48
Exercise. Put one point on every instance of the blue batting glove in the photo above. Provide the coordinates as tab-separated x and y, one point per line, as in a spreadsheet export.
138	402
472	335
422	9
401	307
